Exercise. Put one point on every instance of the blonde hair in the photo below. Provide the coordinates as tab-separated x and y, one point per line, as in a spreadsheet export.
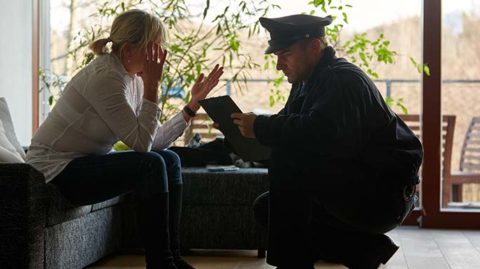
134	26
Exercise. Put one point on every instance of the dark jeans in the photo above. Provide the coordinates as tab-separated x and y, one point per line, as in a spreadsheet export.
151	175
307	225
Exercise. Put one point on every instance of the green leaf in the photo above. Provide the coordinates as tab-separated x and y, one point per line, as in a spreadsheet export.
400	103
426	69
413	61
362	56
345	17
266	65
207	7
234	44
389	101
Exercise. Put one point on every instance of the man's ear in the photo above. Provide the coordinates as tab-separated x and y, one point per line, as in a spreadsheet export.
316	45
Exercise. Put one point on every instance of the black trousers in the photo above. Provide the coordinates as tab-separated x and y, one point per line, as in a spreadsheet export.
154	176
330	221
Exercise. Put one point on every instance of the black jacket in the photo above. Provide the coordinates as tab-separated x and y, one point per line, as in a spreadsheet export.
337	121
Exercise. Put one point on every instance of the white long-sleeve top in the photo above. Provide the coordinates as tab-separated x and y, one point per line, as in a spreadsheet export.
99	106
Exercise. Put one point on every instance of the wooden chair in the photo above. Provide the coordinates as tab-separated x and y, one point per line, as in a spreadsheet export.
469	161
448	128
201	124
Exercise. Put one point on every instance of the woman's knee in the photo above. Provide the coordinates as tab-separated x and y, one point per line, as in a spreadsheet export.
156	179
153	159
171	158
173	165
260	208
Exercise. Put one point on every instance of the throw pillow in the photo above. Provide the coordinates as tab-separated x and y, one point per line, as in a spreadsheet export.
11	150
8	153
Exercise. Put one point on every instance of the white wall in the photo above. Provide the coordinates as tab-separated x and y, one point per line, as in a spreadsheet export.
16	63
45	63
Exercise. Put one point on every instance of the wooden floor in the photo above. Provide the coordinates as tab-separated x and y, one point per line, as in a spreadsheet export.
419	249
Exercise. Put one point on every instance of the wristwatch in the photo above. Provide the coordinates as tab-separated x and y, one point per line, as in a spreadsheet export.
189	111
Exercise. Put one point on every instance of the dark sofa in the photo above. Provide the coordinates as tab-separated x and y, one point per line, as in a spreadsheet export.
40	229
217	210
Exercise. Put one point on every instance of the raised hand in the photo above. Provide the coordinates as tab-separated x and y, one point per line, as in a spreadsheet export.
202	87
152	70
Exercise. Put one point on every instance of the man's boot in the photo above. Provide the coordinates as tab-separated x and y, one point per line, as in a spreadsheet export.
376	249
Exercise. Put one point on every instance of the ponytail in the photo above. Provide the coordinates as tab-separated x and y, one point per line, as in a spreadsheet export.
99	46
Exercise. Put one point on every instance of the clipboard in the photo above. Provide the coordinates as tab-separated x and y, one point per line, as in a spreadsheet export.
219	110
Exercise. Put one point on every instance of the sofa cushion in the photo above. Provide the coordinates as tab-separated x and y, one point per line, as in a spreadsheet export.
60	209
203	187
111	202
10	149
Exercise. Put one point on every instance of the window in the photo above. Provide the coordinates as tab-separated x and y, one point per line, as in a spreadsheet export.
460	98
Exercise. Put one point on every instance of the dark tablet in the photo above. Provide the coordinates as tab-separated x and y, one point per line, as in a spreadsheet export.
219	109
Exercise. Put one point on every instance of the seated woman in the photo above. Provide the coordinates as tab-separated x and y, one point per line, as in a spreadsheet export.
114	98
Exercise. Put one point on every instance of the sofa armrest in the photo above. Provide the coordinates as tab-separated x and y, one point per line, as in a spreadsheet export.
23	199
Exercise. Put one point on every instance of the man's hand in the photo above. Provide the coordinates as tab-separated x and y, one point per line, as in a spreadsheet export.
245	123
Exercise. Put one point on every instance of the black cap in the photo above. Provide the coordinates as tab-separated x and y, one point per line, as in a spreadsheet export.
285	31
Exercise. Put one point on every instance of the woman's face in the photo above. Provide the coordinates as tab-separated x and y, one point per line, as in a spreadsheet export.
136	61
136	58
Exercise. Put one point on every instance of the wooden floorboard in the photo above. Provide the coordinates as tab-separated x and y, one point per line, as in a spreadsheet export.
419	249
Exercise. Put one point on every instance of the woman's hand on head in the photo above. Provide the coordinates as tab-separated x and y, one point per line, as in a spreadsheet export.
152	70
203	86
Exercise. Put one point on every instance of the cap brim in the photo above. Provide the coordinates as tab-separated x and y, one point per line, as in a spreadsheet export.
277	47
272	48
